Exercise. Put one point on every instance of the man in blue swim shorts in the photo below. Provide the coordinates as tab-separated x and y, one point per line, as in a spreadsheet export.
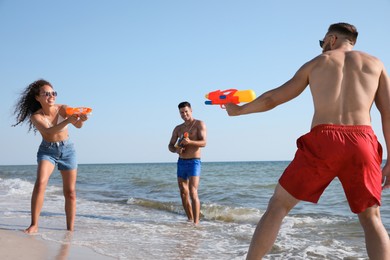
187	140
187	168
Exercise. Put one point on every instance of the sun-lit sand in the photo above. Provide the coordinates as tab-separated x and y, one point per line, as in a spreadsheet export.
15	245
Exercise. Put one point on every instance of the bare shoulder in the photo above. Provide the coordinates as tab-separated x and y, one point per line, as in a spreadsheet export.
62	109
359	59
325	58
309	65
37	113
362	54
364	61
177	128
37	116
200	124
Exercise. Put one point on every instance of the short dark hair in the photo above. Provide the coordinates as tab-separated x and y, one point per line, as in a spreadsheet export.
346	29
184	104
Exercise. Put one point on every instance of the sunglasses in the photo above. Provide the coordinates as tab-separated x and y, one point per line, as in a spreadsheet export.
49	94
322	41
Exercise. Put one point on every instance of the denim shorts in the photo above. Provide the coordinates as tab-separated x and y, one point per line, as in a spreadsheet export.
188	168
62	154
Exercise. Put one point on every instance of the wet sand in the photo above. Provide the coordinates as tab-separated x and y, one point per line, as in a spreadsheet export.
16	245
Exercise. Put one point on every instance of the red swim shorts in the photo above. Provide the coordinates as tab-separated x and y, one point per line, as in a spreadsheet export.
351	153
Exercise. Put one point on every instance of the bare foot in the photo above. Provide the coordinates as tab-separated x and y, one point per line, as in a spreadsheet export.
31	229
70	227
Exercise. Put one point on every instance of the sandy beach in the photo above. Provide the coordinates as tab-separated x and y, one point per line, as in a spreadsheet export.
16	245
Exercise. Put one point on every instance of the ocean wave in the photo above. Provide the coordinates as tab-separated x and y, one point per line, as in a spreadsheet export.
22	188
15	187
230	214
153	204
212	212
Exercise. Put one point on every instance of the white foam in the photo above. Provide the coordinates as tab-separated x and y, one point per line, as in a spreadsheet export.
16	186
311	238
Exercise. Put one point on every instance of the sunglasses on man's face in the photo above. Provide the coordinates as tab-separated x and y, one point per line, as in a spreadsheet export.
49	94
322	42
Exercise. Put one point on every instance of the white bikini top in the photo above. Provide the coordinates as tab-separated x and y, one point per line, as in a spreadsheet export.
59	120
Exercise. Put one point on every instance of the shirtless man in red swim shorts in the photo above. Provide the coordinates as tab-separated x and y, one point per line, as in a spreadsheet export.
344	85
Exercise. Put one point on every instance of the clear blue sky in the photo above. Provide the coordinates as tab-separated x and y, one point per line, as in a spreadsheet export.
134	61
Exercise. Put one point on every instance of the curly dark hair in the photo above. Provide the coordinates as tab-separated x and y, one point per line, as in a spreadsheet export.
27	105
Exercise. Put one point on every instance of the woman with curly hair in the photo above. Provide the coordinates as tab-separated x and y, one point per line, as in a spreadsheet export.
37	107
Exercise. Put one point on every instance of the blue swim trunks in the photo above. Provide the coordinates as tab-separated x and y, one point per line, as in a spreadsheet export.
187	168
62	154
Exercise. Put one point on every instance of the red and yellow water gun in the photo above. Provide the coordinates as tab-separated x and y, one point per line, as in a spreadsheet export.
78	110
235	96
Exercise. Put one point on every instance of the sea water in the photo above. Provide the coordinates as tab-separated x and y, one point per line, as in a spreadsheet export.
133	211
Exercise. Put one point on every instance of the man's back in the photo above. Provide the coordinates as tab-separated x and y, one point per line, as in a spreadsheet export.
343	85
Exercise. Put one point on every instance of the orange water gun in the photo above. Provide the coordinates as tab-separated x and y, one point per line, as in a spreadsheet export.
235	96
178	142
78	110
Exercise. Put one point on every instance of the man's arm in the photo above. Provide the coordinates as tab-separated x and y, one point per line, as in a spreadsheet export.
270	99
382	102
171	145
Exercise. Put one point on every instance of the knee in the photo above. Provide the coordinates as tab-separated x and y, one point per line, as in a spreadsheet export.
70	194
281	201
369	217
184	192
278	206
194	193
40	186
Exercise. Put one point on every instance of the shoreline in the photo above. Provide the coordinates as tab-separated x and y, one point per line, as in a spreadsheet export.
19	246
